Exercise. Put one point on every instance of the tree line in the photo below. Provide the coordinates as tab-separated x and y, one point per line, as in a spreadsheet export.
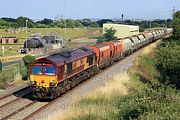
6	23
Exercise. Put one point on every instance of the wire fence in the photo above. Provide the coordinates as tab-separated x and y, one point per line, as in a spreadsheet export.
9	73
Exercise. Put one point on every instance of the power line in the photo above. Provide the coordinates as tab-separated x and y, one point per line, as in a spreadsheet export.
155	15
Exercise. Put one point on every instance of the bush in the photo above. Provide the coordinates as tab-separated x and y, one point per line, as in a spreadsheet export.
168	63
28	59
109	34
176	26
160	102
168	56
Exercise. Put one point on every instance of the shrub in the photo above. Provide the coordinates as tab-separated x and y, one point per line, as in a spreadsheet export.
109	34
28	59
160	102
176	26
168	63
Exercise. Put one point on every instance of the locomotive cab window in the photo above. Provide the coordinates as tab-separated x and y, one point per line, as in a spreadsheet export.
37	70
50	70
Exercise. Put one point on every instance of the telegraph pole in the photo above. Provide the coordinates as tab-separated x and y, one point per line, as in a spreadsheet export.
122	16
150	24
26	32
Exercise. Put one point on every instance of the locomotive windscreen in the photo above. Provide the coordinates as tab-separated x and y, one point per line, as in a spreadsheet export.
50	70
37	70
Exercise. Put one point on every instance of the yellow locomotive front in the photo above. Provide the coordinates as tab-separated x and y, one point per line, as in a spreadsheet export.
43	78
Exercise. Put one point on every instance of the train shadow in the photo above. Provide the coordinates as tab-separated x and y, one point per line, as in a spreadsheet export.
29	96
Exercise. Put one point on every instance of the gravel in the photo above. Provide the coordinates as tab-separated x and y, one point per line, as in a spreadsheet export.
13	107
28	111
83	89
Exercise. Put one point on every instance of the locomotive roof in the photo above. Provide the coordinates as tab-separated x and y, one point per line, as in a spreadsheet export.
68	56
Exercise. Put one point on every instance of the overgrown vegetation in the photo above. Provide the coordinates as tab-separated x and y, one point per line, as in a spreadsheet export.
108	35
28	59
168	56
12	74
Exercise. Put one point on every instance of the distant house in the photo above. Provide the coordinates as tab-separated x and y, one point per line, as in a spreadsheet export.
8	40
122	30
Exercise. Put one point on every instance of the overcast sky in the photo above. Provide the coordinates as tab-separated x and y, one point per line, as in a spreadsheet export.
78	9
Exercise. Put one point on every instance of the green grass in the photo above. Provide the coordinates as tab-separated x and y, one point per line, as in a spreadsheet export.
12	52
70	33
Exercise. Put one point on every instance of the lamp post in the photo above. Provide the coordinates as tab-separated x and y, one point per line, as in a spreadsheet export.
26	32
65	20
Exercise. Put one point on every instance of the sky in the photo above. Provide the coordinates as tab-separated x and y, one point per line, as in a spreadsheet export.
79	9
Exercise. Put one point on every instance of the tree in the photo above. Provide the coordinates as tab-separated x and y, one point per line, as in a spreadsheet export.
21	21
70	23
46	21
168	56
176	26
109	34
9	19
101	22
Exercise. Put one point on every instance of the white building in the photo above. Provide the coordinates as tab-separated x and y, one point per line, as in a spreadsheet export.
122	30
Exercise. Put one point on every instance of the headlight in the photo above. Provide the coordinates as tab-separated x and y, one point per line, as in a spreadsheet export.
52	83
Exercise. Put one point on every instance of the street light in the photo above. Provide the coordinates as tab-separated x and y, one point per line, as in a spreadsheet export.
26	32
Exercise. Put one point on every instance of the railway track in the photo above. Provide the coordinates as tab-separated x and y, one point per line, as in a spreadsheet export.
8	100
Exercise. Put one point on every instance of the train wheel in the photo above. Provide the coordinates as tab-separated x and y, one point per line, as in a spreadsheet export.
58	89
39	95
54	94
73	84
68	85
62	88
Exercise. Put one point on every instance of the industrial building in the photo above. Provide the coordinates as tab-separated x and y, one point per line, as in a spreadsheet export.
122	30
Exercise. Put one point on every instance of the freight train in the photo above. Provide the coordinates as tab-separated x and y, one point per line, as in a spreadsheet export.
55	74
